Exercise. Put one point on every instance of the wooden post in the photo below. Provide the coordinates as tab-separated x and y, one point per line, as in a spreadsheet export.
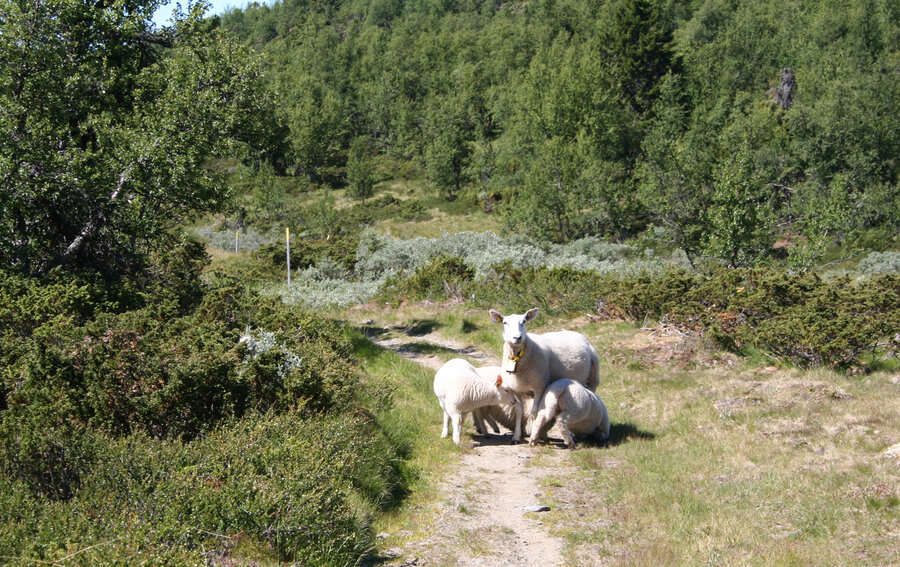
287	241
236	241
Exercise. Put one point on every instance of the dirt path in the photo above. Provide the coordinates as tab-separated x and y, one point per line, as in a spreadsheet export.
491	511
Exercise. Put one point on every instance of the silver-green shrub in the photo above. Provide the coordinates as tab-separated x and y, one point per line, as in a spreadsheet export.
596	255
380	255
326	293
261	342
880	263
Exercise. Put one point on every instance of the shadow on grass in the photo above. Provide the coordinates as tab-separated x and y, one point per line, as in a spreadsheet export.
623	432
421	327
469	327
618	433
423	348
367	337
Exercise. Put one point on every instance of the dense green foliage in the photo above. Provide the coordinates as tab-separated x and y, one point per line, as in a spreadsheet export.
444	278
800	318
191	414
730	124
105	125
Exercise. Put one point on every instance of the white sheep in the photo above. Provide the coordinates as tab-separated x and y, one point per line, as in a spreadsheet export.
460	390
536	360
502	414
577	410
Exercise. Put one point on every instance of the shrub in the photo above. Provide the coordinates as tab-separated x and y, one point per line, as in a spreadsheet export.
381	255
880	263
797	316
378	255
249	238
171	376
360	168
148	432
154	431
299	488
307	251
326	293
553	290
443	278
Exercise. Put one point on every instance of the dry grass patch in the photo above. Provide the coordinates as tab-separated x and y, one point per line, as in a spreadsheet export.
439	224
743	468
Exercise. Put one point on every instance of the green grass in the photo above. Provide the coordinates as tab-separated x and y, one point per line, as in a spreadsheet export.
415	415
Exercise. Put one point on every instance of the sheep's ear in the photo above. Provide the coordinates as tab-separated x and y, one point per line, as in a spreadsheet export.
496	316
531	314
499	381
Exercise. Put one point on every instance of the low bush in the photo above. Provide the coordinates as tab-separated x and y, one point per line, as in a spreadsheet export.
389	207
249	238
299	488
307	251
445	277
202	418
880	263
556	291
797	317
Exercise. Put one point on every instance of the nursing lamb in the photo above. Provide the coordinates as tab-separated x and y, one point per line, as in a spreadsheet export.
577	410
460	389
502	414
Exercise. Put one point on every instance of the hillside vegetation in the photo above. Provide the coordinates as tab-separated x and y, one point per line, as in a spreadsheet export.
165	398
744	130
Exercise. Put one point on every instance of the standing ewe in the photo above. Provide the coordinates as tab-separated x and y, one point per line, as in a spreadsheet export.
536	360
577	410
460	389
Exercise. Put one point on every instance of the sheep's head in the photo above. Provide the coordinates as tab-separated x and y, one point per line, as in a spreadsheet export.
514	332
507	394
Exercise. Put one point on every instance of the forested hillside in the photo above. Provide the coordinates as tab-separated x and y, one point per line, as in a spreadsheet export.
730	125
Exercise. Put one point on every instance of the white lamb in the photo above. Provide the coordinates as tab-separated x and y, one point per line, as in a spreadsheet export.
536	360
502	414
577	410
460	390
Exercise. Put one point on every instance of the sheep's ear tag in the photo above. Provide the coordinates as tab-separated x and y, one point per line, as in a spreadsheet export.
499	381
509	364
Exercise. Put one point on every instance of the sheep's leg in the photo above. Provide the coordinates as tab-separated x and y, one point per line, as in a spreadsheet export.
538	402
491	423
457	426
517	434
563	420
478	420
537	427
446	430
